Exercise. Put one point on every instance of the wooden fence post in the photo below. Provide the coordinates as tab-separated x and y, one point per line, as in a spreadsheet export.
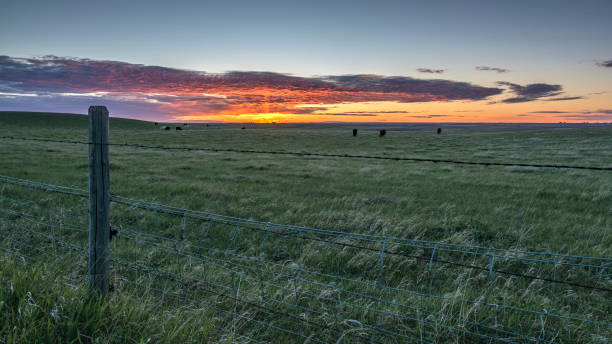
99	201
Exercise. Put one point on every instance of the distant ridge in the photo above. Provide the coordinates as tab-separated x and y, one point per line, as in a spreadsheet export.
60	119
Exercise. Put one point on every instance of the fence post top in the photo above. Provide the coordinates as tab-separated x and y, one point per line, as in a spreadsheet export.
97	108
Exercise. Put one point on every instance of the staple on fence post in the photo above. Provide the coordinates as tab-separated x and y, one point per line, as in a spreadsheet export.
99	198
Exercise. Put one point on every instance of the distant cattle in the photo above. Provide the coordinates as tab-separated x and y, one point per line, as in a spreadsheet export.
439	131
354	132
155	123
165	127
382	133
178	128
243	128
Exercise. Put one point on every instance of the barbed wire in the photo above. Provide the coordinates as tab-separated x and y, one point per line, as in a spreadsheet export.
26	216
328	326
34	219
394	308
433	259
235	264
344	279
436	259
311	323
200	256
321	155
207	260
301	270
180	279
422	258
213	217
82	249
433	324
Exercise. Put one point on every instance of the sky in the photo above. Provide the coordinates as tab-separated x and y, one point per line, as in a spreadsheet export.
310	61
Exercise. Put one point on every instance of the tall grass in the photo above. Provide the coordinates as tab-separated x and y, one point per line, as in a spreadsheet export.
39	304
533	209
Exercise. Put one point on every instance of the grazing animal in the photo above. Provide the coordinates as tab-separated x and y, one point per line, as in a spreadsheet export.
165	127
243	128
439	131
354	132
155	123
382	132
179	128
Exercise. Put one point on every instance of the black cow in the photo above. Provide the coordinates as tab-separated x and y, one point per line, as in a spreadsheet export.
354	132
439	131
382	133
178	128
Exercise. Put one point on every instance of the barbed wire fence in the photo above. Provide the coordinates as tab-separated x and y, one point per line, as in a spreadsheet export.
300	283
269	282
315	154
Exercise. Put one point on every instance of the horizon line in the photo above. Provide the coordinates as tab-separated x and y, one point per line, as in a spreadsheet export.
307	123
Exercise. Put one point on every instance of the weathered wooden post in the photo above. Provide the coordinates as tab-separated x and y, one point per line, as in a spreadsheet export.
99	201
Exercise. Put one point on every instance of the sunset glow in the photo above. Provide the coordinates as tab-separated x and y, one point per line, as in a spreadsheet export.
262	97
411	63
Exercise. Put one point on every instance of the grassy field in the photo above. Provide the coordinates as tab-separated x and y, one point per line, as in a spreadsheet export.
556	210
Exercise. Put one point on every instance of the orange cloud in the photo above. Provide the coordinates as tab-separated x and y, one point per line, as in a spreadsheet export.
193	95
157	93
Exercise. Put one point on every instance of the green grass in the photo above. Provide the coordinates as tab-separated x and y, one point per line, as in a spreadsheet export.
39	306
564	211
538	209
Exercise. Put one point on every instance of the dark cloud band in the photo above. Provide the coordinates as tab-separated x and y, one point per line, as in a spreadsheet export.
533	92
177	91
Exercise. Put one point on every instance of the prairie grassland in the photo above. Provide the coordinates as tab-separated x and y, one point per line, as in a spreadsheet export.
555	210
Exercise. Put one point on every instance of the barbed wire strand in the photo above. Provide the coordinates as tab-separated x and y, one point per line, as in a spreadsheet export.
72	246
162	271
207	216
75	247
321	155
81	247
366	283
299	234
443	261
321	274
207	259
